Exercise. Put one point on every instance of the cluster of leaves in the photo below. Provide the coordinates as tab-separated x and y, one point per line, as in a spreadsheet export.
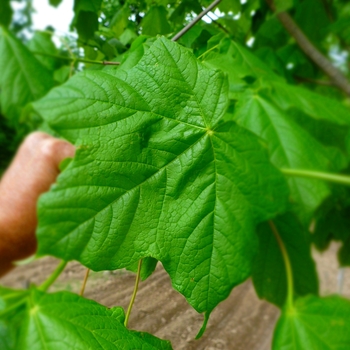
187	153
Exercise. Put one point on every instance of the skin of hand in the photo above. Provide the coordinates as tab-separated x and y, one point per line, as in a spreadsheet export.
34	168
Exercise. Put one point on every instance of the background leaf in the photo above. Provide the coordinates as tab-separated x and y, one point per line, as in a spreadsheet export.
86	17
269	272
20	82
314	323
5	13
290	147
41	43
318	107
236	60
55	3
155	22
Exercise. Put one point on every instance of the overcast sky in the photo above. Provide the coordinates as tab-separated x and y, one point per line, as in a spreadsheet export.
59	17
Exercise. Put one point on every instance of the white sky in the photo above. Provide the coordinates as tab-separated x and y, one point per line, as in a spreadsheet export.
59	17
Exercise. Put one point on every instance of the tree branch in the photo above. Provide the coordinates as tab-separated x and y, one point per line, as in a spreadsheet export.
338	79
197	19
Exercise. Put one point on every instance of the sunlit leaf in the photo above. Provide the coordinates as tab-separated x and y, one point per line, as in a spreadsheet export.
158	174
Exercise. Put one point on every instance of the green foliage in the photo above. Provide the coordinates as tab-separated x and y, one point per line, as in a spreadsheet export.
76	320
86	17
333	222
290	147
164	151
55	2
155	21
5	13
269	274
42	44
314	323
20	82
183	154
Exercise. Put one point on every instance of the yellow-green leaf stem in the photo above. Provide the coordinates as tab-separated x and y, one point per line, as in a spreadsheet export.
340	179
289	272
133	293
84	282
206	52
45	286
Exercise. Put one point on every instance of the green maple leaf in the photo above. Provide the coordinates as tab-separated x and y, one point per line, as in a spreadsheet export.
29	318
158	173
314	323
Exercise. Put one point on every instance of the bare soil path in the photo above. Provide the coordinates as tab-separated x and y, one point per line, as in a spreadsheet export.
241	322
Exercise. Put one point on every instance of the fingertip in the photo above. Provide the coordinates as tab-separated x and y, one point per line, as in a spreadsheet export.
56	150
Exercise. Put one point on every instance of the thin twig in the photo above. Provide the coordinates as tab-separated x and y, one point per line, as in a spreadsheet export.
310	50
77	59
197	19
82	290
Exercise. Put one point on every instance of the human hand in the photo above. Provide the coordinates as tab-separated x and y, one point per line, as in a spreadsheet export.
32	171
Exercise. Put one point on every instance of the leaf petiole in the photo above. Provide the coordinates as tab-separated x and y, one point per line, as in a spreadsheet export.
206	52
138	274
82	289
289	272
45	286
340	179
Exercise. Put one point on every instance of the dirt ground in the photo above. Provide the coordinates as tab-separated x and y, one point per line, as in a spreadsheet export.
240	322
